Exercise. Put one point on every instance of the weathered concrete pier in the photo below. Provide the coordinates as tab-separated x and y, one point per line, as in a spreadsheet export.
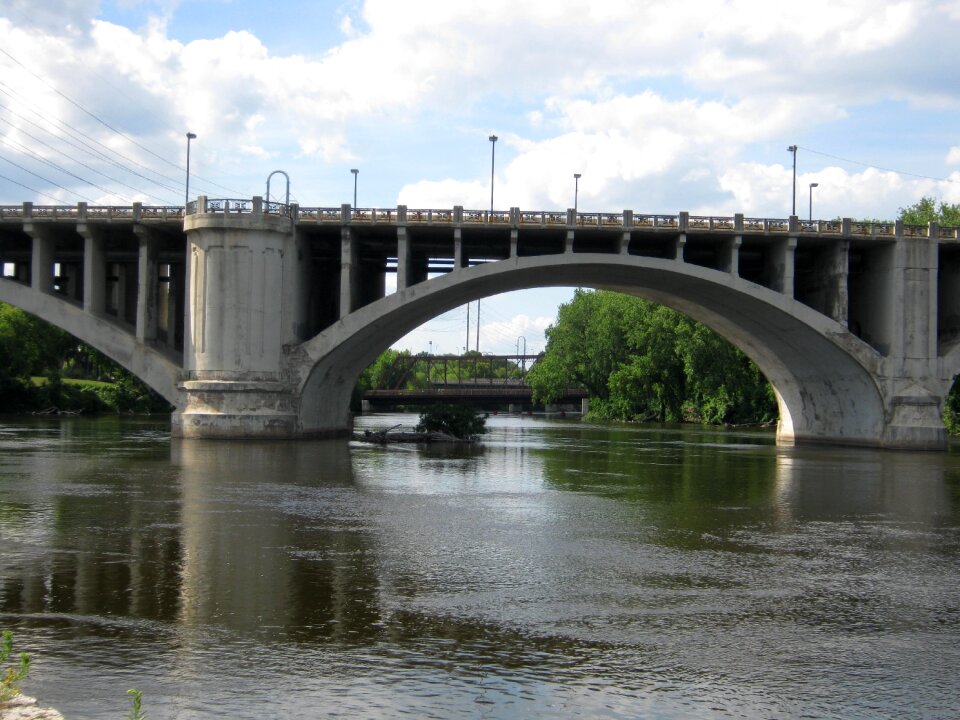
255	319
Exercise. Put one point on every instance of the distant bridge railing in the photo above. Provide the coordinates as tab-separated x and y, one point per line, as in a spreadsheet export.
458	216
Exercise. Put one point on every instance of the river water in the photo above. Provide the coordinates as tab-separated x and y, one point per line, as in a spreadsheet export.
558	570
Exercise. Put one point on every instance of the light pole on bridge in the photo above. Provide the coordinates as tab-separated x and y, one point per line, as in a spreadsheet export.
576	191
812	186
186	194
793	198
355	172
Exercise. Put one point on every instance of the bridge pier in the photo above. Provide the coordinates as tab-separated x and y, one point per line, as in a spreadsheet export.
244	307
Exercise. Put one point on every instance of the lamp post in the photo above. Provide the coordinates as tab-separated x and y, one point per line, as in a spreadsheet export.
793	199
493	153
576	190
812	186
186	195
355	172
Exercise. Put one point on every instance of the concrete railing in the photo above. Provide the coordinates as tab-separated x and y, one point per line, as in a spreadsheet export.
458	216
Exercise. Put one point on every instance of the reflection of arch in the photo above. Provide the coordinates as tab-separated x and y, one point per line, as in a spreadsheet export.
156	369
823	375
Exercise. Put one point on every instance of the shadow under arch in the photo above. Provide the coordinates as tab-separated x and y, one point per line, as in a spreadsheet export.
823	375
153	367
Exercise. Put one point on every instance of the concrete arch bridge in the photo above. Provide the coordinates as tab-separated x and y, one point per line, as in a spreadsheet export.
255	319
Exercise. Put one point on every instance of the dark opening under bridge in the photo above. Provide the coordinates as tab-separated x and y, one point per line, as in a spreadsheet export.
255	319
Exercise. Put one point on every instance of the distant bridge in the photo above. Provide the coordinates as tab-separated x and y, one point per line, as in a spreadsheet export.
487	381
255	319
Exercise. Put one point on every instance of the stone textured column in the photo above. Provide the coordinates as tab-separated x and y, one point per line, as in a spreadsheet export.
349	272
94	270
403	259
41	262
234	342
147	284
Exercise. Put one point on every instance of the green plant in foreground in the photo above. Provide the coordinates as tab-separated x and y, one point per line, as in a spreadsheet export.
136	699
12	675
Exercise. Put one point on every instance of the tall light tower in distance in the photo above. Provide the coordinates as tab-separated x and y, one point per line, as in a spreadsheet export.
576	191
355	172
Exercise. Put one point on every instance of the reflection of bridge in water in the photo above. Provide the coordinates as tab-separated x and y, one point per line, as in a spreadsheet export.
487	381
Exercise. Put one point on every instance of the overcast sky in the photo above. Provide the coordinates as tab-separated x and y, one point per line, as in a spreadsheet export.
661	106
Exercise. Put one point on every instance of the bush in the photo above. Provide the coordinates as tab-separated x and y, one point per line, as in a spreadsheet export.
12	675
459	421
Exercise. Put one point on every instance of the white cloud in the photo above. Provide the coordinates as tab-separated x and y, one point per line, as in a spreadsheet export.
953	156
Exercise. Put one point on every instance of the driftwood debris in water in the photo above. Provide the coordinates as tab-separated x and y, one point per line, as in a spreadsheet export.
393	435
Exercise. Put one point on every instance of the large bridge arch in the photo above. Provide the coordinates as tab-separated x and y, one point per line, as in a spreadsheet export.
158	370
824	376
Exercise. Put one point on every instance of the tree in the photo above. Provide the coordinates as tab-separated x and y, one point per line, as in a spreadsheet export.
926	210
642	361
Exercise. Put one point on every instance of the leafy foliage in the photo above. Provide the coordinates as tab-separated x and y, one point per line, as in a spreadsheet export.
642	361
11	675
926	210
30	347
460	421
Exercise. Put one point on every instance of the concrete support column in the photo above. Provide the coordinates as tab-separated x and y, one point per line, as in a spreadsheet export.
780	268
349	271
234	345
514	242
678	244
459	257
730	257
915	390
403	259
568	245
838	272
147	283
41	262
94	270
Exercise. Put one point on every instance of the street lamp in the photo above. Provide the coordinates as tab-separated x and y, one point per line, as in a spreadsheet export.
186	196
812	186
793	200
355	172
576	189
493	152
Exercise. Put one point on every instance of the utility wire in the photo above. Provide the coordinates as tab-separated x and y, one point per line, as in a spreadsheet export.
38	192
37	156
61	152
49	182
111	128
87	112
876	167
106	157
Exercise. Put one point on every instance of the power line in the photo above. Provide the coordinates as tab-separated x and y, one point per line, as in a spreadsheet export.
877	167
46	180
84	110
74	133
38	192
61	152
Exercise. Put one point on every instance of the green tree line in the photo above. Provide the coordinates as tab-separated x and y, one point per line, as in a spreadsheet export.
43	367
643	361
